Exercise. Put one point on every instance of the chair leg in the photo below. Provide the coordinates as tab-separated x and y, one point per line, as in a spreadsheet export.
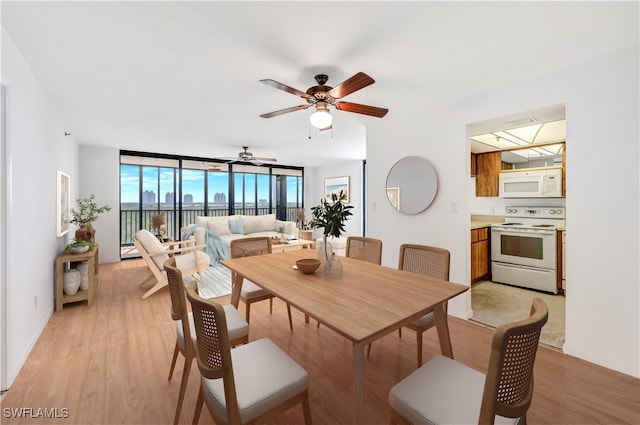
399	332
199	401
247	309
183	387
173	361
419	347
270	305
289	313
306	410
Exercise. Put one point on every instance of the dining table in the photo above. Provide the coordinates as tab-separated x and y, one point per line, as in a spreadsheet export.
366	302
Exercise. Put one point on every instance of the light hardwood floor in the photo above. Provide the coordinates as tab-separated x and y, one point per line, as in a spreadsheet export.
108	364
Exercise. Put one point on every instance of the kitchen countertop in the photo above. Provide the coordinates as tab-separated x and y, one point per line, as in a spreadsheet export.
480	221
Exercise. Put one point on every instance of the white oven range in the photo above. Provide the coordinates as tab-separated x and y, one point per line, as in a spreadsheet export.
524	247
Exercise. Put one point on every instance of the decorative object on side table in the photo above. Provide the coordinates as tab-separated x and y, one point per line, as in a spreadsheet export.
331	216
87	212
157	225
72	280
79	246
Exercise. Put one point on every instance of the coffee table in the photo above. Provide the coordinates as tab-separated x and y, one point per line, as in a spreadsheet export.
298	244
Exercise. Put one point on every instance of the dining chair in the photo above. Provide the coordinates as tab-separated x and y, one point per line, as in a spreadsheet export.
251	292
429	261
237	328
252	383
189	258
444	391
364	249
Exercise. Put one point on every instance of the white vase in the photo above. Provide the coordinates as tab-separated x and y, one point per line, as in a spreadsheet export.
83	268
71	281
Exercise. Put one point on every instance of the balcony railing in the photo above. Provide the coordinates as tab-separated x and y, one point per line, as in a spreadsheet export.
131	220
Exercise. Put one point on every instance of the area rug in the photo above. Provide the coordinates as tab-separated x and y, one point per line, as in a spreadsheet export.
494	304
215	281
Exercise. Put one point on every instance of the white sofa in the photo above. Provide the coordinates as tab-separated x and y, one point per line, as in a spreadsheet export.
233	227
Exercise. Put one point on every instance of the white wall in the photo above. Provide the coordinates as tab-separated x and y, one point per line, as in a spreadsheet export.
35	149
100	171
314	192
601	98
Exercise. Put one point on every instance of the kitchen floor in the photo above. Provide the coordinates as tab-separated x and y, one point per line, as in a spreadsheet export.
494	304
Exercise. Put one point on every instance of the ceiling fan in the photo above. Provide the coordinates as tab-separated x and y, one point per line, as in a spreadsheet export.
321	96
246	156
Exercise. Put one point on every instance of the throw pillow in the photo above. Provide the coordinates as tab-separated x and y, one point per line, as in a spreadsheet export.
218	225
259	223
236	226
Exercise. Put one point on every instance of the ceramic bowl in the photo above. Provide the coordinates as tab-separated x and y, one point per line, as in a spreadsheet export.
79	249
308	265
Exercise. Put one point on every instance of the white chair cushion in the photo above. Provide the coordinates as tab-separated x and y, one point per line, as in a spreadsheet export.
442	391
425	320
265	377
236	325
151	244
250	290
186	260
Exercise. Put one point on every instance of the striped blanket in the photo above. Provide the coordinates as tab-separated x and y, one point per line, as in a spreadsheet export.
214	282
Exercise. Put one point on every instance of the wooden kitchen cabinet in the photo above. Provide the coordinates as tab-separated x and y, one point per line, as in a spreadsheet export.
488	166
480	254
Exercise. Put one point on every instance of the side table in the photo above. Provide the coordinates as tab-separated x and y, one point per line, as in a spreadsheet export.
305	234
68	257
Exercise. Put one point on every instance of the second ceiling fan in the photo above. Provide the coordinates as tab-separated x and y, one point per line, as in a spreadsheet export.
321	96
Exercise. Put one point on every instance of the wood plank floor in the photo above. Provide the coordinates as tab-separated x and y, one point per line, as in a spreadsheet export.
108	364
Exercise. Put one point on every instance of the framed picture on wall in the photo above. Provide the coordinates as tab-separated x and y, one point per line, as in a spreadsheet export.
64	201
335	185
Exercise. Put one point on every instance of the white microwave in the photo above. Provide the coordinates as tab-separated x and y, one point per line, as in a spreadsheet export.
544	182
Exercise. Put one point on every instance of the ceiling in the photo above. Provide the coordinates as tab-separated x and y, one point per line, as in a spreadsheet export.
183	77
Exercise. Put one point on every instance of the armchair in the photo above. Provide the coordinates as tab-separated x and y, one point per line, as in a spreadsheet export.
189	257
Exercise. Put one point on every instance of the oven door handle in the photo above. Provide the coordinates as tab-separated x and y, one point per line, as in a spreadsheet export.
524	231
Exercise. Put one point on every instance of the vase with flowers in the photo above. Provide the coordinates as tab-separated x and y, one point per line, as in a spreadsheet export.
86	213
157	225
330	216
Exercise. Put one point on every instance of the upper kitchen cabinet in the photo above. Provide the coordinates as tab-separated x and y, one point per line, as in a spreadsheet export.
488	166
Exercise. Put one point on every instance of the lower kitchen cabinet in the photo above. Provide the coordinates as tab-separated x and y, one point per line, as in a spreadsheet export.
480	254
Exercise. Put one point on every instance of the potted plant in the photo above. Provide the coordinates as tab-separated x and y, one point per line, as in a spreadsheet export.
157	222
87	212
331	216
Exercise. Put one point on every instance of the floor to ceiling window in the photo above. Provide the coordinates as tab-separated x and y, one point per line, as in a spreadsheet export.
184	188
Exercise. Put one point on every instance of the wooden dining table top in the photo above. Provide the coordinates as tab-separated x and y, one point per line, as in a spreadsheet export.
366	302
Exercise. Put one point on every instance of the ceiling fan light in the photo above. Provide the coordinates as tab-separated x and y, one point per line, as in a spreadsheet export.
321	118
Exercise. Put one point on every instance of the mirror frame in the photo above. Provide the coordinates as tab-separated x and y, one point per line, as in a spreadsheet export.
416	179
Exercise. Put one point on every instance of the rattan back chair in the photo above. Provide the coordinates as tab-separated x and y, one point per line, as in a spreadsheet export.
364	248
185	335
429	261
282	383
252	293
445	391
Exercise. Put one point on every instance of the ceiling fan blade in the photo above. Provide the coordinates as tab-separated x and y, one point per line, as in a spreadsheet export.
284	87
373	111
265	159
358	81
284	111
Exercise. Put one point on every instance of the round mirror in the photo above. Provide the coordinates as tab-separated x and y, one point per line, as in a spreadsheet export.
412	184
